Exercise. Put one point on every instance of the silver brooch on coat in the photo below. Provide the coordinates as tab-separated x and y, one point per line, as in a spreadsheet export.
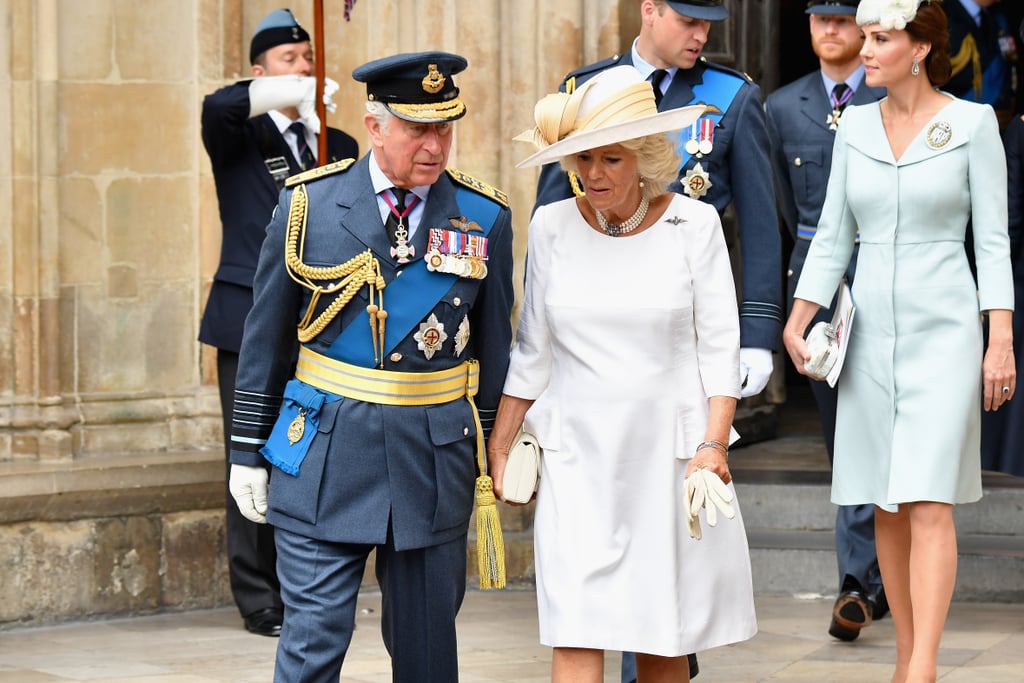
939	134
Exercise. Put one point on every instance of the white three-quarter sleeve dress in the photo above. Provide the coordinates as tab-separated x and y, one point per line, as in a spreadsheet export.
621	341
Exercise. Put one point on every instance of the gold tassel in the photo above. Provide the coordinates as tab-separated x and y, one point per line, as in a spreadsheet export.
490	545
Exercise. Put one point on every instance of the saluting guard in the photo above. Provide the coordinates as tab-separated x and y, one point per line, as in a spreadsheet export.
393	275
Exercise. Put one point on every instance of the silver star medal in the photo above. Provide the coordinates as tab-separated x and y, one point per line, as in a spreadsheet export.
697	182
431	336
462	336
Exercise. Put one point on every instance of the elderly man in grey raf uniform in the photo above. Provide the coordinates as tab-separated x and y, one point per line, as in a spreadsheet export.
393	275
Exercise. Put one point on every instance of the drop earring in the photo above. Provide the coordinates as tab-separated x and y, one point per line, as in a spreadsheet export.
915	68
641	182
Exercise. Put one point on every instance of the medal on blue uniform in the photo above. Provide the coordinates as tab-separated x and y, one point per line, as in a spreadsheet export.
701	138
837	107
431	336
402	249
458	253
697	182
462	336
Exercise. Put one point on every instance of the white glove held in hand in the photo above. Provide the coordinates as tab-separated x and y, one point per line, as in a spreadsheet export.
330	88
248	486
279	92
705	489
755	371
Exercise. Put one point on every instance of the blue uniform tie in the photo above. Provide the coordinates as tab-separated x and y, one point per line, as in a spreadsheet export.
306	159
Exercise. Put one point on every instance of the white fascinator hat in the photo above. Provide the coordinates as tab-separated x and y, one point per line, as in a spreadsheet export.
613	106
892	15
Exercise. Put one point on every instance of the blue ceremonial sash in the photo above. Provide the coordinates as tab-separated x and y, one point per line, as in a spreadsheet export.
718	88
412	296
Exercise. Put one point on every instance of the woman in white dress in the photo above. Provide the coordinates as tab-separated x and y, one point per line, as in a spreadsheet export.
909	173
626	369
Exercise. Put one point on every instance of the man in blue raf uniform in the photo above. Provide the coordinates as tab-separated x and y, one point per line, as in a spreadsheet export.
725	158
394	273
802	120
248	132
983	54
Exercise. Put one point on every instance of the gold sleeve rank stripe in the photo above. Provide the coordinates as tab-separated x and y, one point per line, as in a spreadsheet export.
478	185
319	172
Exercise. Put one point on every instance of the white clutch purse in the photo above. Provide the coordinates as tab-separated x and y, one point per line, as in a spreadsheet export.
522	471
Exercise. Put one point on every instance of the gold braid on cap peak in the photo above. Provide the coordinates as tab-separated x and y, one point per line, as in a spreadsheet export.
430	111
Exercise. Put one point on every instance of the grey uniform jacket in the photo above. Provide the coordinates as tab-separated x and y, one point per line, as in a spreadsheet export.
370	465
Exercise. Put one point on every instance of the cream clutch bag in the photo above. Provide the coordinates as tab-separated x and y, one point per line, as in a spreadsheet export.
522	471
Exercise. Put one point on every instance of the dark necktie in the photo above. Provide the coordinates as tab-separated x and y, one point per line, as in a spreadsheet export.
306	158
841	94
657	76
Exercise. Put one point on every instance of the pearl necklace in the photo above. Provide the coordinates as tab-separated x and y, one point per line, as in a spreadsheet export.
628	225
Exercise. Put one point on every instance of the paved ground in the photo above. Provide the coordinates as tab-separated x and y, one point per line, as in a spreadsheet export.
498	640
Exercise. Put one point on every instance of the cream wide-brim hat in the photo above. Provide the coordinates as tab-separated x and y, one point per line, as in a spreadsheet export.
614	106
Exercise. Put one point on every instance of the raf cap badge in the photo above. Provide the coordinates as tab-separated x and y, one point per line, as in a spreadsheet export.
433	82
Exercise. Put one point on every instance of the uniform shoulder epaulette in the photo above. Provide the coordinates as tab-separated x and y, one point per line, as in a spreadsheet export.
729	70
479	186
585	72
318	172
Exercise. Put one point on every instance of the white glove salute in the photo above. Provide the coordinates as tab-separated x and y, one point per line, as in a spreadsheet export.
705	490
248	486
755	370
278	92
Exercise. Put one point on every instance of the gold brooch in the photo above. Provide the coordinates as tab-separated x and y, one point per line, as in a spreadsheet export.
433	81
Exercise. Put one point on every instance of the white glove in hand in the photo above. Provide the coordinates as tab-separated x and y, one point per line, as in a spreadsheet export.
279	92
248	486
330	88
705	490
755	371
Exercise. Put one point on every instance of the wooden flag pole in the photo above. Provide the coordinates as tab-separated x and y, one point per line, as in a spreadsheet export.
318	58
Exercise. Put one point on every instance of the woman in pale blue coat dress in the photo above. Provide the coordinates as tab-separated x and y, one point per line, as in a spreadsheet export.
909	173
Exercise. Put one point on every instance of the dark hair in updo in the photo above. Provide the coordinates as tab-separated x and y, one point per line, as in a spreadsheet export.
930	26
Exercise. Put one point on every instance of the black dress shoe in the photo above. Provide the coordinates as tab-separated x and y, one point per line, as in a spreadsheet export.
265	622
879	605
850	614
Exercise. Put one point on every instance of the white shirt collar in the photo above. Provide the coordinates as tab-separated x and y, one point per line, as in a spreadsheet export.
853	80
974	9
381	182
645	68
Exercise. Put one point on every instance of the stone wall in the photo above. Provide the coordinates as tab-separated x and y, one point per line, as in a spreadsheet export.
111	233
111	468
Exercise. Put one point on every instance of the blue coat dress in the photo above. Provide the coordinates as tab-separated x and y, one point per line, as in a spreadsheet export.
909	414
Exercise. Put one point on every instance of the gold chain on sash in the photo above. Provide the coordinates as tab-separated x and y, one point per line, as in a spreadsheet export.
344	279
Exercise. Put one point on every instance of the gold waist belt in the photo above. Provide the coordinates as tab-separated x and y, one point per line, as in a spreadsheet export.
384	386
421	389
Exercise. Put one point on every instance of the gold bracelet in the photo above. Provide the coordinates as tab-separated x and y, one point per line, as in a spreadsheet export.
711	443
